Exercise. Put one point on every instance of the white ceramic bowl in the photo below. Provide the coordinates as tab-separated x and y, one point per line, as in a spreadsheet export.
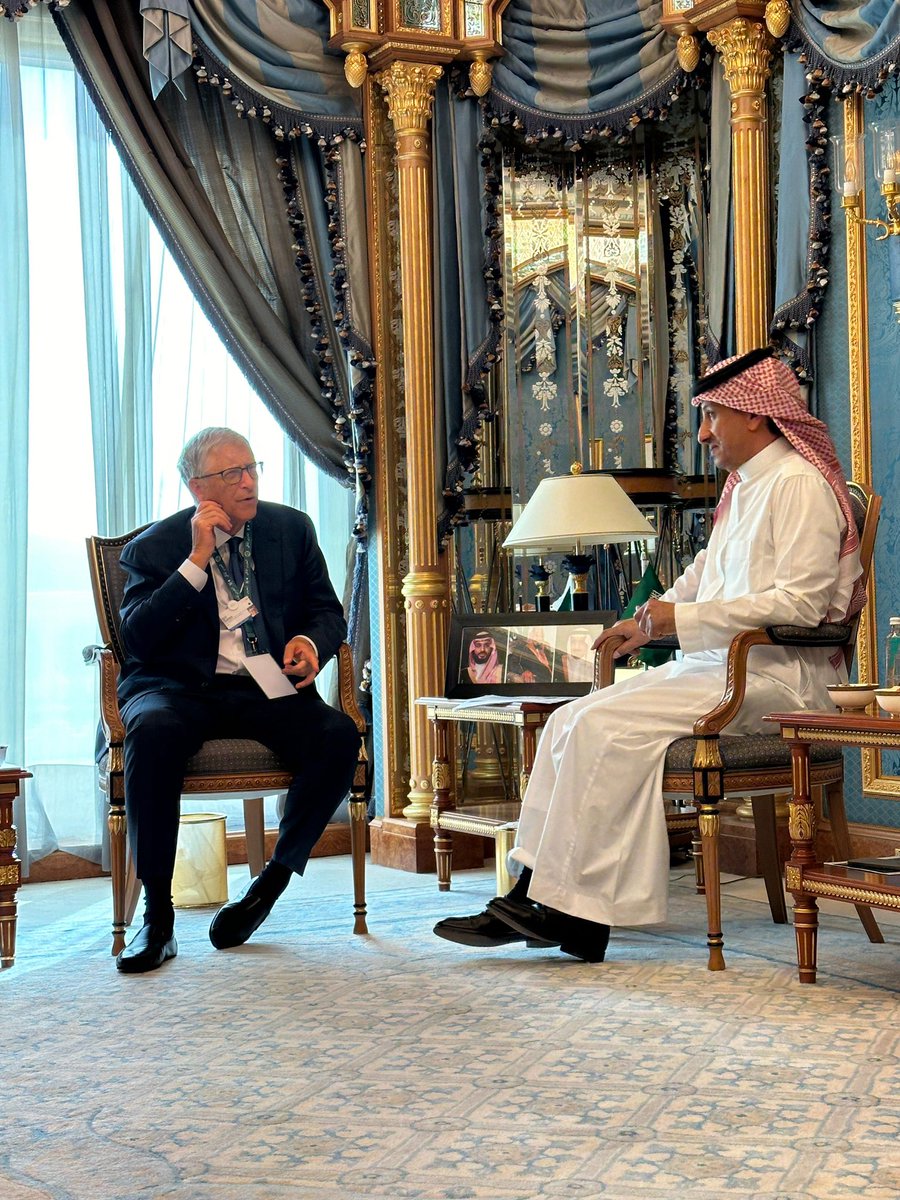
889	700
851	696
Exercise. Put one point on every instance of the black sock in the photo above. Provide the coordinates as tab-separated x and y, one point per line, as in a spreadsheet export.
272	880
519	890
158	908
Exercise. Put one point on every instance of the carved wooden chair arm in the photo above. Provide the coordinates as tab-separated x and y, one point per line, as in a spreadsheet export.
347	697
605	661
346	686
827	634
110	718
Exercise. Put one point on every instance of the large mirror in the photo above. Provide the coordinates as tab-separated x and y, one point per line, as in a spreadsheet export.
604	317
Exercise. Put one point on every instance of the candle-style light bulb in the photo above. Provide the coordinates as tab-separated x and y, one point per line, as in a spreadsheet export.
851	171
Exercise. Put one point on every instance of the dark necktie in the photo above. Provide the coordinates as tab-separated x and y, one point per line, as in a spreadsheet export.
236	562
257	625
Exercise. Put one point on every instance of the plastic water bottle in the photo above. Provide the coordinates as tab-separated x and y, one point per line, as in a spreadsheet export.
892	655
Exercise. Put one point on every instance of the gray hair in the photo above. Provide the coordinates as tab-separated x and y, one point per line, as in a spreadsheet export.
196	449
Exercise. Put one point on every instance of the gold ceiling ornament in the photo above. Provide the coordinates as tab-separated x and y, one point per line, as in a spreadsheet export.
375	33
688	52
778	17
356	66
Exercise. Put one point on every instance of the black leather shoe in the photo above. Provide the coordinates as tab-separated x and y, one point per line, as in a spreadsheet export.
150	947
582	939
235	922
484	929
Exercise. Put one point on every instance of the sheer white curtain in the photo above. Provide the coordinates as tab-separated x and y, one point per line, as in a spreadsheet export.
121	368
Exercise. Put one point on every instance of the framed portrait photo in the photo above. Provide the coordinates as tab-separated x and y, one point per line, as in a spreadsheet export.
523	653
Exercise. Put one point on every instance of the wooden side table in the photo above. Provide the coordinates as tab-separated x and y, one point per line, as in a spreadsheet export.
10	867
495	821
805	877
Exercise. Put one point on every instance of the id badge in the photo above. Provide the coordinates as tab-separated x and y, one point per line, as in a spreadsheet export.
236	612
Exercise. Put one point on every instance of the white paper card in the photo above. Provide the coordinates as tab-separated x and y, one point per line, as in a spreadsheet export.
267	673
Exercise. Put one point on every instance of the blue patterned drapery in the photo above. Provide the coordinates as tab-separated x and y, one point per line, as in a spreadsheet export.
854	45
275	55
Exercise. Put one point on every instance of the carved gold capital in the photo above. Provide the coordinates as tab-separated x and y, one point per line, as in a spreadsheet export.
709	825
7	838
802	823
409	88
441	778
746	50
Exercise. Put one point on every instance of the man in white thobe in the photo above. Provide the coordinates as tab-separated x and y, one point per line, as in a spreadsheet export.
591	842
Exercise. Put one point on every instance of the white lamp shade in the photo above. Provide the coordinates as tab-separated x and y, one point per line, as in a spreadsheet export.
578	510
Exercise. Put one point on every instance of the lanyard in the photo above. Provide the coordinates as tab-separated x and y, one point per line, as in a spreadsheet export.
246	551
248	628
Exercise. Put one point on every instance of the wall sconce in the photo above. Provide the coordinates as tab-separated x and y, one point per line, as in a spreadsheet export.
850	175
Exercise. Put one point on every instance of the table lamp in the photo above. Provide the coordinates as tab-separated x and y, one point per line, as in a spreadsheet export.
573	512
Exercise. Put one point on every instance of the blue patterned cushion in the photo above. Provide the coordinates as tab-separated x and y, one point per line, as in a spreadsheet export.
748	751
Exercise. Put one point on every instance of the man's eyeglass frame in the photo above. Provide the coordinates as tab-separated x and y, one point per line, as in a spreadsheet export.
234	475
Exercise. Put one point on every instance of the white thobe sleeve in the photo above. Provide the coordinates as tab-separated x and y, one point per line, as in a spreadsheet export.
686	585
799	584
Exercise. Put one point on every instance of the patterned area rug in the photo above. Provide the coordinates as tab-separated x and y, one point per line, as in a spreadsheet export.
315	1065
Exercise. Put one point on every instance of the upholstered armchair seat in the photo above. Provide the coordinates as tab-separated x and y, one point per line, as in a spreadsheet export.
748	752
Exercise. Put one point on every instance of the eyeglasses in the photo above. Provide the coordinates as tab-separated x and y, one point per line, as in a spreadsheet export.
234	475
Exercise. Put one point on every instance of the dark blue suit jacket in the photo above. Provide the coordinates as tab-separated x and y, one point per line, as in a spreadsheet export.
171	631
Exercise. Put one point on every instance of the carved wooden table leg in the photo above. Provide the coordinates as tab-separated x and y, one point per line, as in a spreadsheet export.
504	840
802	827
10	867
440	780
529	749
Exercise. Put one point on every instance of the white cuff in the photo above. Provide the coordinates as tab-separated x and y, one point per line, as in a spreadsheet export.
195	575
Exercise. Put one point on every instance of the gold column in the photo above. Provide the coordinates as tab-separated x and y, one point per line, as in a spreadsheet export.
389	524
860	407
746	49
409	87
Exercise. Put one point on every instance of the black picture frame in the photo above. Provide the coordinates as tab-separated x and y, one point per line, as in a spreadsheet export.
523	664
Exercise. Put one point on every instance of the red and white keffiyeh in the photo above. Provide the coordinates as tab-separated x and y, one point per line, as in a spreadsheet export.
759	383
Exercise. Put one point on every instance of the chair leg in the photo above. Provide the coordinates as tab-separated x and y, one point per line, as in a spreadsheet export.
358	859
117	856
255	834
767	849
837	815
697	852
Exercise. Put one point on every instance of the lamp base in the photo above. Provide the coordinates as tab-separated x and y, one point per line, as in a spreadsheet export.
578	566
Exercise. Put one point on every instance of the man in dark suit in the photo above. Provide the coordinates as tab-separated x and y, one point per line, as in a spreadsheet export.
214	593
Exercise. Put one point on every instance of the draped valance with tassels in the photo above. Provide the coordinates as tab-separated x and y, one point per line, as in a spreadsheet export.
856	46
582	65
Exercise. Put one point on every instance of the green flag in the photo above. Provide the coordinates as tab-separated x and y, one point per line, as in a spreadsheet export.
648	588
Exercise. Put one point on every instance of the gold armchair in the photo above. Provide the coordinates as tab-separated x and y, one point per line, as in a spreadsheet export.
710	764
225	766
